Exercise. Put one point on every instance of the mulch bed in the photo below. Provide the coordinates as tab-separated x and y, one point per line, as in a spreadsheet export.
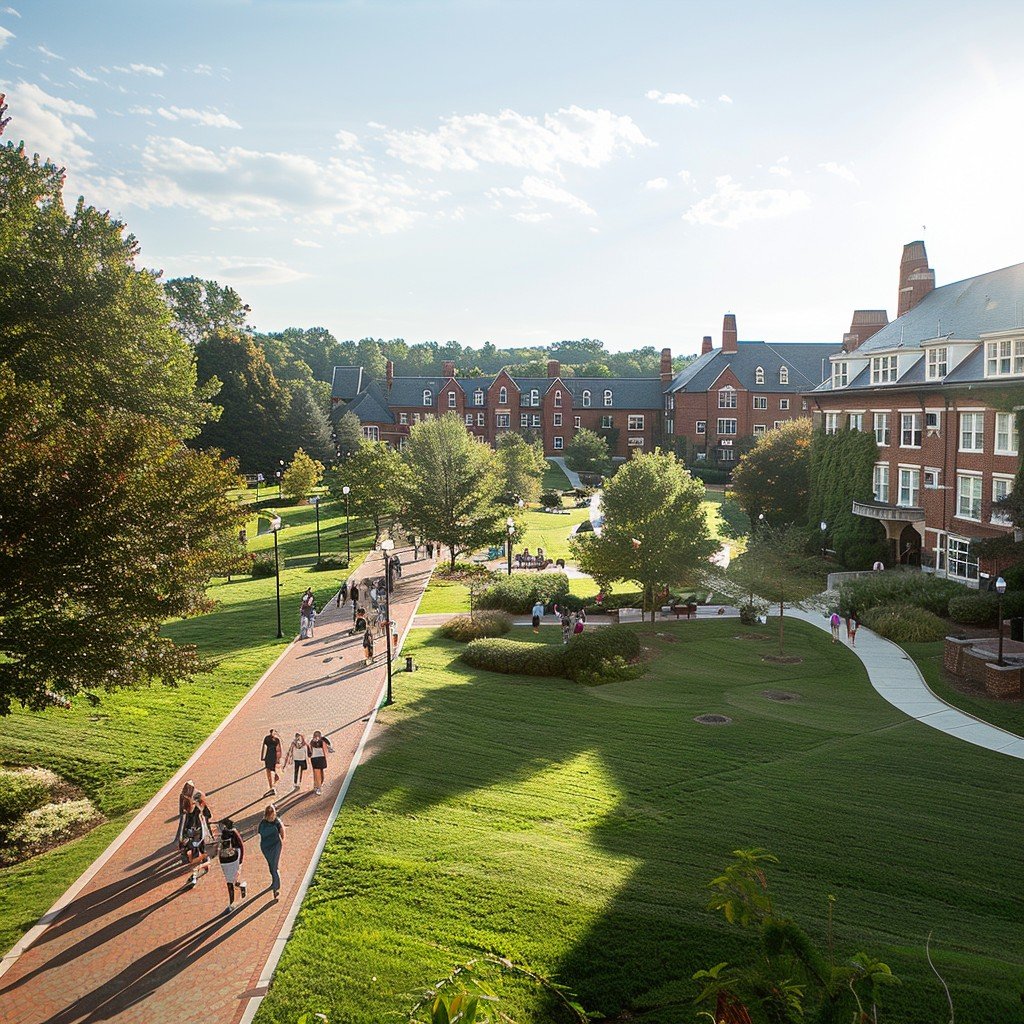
713	720
780	695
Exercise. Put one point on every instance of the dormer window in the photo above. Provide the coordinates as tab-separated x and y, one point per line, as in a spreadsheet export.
503	396
586	399
840	374
451	399
607	398
1004	358
759	375
783	374
883	369
938	363
558	399
534	397
478	396
428	397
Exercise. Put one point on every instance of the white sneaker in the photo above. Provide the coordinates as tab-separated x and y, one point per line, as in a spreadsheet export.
244	886
318	791
193	878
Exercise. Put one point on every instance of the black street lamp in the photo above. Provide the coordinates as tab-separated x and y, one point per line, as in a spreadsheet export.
387	546
1000	590
314	500
510	526
275	526
348	536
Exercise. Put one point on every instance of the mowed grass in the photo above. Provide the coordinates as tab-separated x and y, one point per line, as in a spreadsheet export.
122	750
575	829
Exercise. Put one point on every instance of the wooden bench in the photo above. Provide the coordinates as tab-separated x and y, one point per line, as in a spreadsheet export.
689	610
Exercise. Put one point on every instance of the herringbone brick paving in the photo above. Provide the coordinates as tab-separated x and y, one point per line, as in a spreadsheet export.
138	945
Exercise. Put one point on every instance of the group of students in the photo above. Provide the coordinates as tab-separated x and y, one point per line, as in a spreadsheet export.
197	835
851	628
361	621
572	622
301	755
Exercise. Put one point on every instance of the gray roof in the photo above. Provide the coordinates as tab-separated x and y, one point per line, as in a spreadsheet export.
963	310
627	392
372	405
347	382
808	364
409	390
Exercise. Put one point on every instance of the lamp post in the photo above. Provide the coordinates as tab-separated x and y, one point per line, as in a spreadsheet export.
1000	590
387	546
824	528
510	526
275	527
348	537
314	500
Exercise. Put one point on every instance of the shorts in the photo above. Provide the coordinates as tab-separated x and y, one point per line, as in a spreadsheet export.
196	849
536	621
270	763
319	763
301	765
230	868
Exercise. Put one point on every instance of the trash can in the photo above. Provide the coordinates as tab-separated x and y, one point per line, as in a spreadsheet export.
1017	628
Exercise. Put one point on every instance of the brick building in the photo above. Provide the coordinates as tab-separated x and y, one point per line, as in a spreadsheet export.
935	387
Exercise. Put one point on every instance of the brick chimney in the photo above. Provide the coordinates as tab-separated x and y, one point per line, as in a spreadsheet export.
666	365
706	346
865	322
917	279
448	369
729	335
554	368
389	374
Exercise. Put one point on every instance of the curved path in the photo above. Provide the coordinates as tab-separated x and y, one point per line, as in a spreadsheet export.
894	674
129	942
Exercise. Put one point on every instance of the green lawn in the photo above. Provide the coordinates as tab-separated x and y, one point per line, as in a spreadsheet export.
125	748
575	829
444	596
554	479
1007	714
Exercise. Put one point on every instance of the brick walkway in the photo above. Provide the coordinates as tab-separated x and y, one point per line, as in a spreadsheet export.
137	945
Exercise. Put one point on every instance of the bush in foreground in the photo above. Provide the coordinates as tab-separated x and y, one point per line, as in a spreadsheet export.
904	588
975	609
465	628
519	593
24	791
329	563
48	826
262	566
905	624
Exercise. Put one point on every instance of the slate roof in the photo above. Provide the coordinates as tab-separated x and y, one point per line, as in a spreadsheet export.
627	392
347	382
805	361
372	405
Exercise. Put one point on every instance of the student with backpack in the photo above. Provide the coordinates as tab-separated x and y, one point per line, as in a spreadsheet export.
368	646
196	834
231	854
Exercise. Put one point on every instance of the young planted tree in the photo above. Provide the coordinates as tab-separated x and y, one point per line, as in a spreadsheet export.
452	485
777	568
376	476
348	435
588	452
301	476
521	465
772	479
654	531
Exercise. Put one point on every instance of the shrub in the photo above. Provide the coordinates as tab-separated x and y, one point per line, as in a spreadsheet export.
519	593
904	588
262	566
905	624
330	562
709	476
551	499
977	609
602	655
465	628
24	791
749	614
47	826
461	572
515	657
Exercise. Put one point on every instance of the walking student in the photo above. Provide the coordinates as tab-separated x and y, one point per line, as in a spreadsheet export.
271	830
298	754
834	623
184	798
306	606
319	748
566	626
368	646
343	594
196	835
270	755
851	630
579	623
538	614
231	854
354	595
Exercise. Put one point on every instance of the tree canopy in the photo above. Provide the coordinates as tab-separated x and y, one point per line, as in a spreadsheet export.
376	476
202	308
588	452
521	464
773	478
654	531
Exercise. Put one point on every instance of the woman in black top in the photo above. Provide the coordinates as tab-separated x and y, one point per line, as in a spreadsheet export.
270	755
196	834
231	853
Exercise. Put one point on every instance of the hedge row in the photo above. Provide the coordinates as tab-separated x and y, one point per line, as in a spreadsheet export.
905	624
520	592
474	627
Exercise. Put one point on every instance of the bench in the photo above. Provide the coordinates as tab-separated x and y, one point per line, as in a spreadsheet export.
689	610
630	615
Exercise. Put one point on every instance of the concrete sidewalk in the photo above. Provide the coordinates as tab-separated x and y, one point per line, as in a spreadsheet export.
132	942
897	678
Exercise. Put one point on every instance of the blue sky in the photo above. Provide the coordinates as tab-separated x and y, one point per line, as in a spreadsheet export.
524	172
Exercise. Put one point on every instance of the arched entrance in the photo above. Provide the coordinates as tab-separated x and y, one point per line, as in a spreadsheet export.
909	546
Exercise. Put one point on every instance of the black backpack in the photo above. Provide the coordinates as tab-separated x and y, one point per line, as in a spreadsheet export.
227	851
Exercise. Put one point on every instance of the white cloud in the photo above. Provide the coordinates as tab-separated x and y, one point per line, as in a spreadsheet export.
306	243
48	126
49	53
140	69
144	111
85	76
534	191
206	118
724	98
347	140
258	270
236	184
656	184
5	34
572	135
840	171
730	205
531	218
686	177
201	69
781	170
672	99
11	11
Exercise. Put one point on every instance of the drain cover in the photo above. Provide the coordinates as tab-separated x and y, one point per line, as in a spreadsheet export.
713	720
780	695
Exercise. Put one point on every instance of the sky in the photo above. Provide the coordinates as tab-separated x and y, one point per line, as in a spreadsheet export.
523	172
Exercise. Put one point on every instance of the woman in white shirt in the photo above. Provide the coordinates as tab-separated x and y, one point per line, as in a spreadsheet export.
298	754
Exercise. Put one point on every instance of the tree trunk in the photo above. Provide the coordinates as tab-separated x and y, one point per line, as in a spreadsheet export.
781	620
452	560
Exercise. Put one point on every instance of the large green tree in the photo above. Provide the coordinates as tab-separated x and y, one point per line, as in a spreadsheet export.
376	477
772	479
201	308
588	452
306	424
109	524
452	486
521	465
348	434
654	531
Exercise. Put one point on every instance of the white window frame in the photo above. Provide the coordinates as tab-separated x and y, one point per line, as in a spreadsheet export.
783	374
452	400
502	420
783	404
586	399
832	422
727	455
722	427
840	374
760	402
556	420
702	427
778	423
480	420
759	375
558	399
856	421
607	422
883	369
910	484
1006	426
428	396
1004	358
910	426
968	496
403	419
607	398
760	428
635	422
478	396
1000	482
371	433
880	482
670	426
535	421
881	425
938	363
502	396
635	442
957	555
727	398
558	444
972	431
534	396
469	419
930	478
524	419
577	421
